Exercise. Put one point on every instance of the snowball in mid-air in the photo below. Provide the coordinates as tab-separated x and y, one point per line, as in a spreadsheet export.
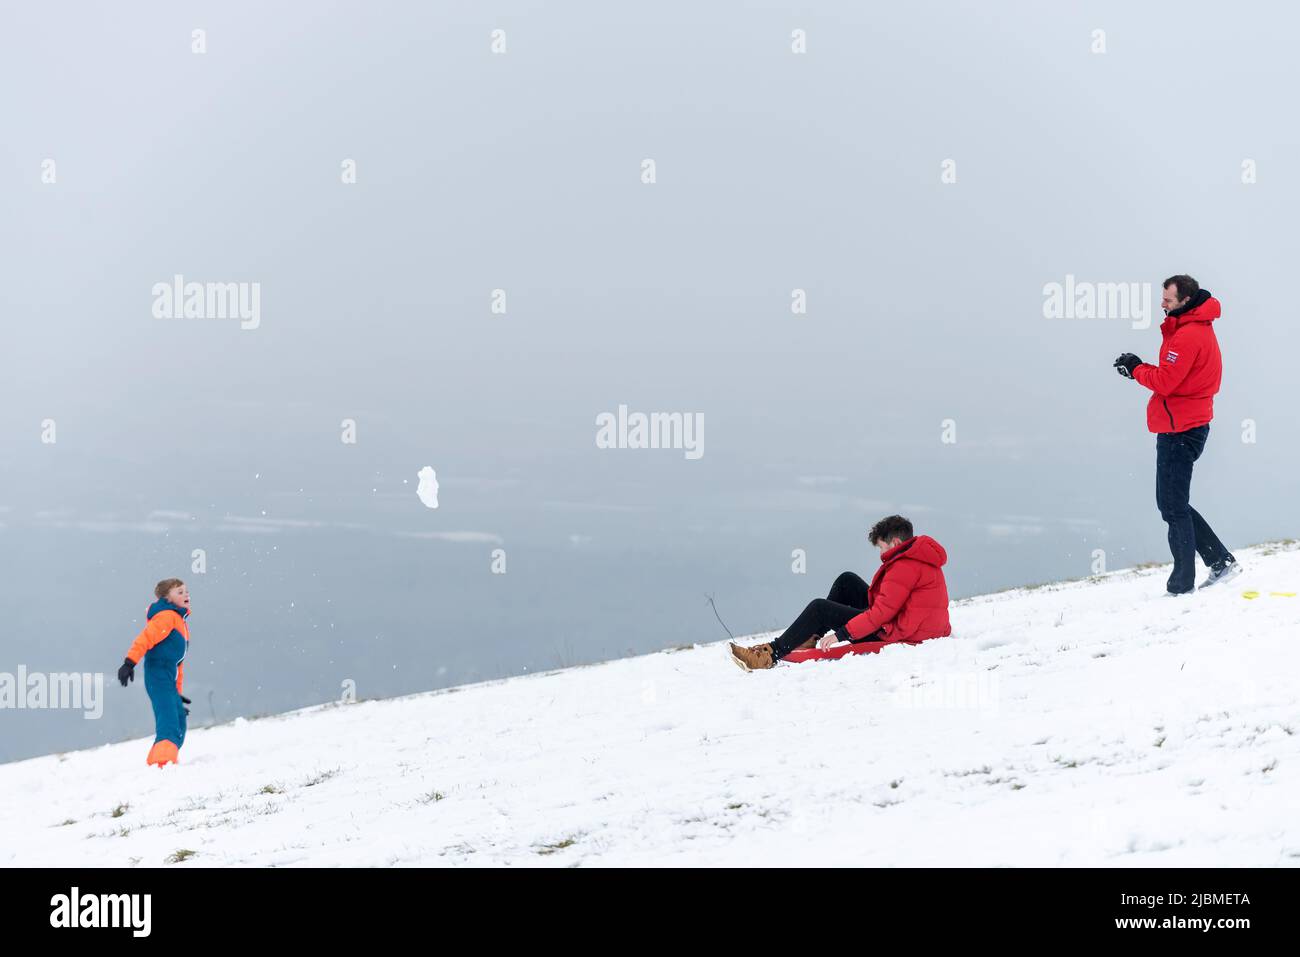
428	488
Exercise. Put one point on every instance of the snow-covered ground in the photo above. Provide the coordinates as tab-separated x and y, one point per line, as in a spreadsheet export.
1086	723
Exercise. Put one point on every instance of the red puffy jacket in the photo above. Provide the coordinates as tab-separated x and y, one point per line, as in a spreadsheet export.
1187	377
908	597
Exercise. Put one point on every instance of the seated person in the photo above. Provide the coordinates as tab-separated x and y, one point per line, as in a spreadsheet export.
907	601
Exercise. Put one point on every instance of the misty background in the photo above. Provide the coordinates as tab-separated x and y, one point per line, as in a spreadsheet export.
522	171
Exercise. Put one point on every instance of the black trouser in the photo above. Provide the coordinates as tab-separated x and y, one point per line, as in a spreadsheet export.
847	599
1189	534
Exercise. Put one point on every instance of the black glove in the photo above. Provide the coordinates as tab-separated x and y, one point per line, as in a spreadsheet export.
842	634
185	700
1126	363
126	672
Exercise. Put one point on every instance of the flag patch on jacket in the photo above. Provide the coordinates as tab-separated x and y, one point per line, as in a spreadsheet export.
1171	357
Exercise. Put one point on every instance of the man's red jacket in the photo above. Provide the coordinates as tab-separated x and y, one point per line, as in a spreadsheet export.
1187	376
908	597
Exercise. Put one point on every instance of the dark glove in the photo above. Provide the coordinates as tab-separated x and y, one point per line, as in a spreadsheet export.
126	672
1126	363
185	700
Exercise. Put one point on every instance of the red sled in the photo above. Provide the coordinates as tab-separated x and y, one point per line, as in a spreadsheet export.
839	651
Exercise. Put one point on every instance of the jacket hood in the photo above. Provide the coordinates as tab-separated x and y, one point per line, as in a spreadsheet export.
1203	308
162	604
921	548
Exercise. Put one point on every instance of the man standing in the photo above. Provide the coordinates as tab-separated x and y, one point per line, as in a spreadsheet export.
1183	384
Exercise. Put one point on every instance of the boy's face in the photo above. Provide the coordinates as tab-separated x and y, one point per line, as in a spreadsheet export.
180	596
885	544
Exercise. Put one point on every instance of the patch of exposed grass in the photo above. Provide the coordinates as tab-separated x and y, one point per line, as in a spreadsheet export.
557	846
1282	545
180	856
321	777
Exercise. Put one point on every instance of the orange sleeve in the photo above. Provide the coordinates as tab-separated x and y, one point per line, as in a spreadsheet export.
159	627
180	678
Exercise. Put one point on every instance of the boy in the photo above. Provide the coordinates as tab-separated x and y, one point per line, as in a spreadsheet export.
907	601
162	646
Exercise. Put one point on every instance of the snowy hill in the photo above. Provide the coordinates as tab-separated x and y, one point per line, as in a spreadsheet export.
1085	723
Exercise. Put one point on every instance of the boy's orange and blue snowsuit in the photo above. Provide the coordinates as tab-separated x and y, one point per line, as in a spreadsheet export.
162	646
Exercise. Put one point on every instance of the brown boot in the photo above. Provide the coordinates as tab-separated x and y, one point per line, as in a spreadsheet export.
756	658
810	643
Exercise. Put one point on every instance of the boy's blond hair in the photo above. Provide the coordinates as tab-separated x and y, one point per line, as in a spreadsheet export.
161	589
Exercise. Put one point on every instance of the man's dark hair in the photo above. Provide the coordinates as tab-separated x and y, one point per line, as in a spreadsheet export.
1187	286
888	529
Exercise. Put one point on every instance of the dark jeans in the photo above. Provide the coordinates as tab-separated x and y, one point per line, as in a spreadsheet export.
847	599
1189	534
